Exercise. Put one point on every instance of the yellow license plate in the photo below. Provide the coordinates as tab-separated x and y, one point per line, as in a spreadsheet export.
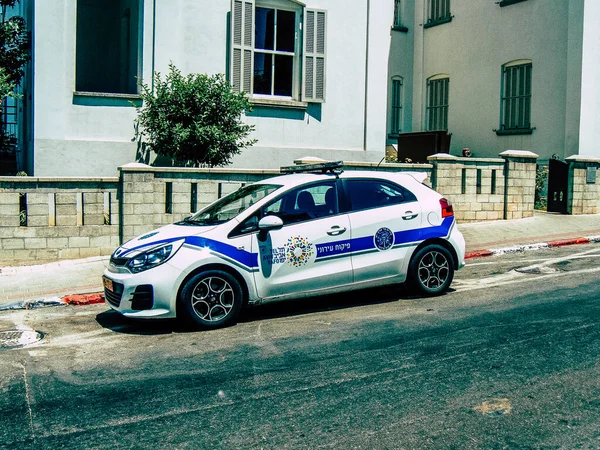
108	283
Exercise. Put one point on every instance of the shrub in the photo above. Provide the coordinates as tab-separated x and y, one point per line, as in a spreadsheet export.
194	119
541	175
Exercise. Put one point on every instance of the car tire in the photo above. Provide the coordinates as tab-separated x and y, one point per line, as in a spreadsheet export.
212	299
431	270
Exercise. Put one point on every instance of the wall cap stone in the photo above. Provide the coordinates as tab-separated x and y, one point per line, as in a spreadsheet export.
459	159
146	168
519	154
583	159
59	179
442	156
310	160
388	165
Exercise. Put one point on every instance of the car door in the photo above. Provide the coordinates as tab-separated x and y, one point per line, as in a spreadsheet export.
382	216
312	249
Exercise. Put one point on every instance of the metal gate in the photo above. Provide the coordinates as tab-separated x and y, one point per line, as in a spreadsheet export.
558	180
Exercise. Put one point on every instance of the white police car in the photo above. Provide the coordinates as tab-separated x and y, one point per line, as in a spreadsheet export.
295	235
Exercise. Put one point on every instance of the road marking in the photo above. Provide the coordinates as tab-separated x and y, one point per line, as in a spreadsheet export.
525	273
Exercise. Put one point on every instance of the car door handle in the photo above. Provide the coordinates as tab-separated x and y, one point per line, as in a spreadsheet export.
408	215
336	230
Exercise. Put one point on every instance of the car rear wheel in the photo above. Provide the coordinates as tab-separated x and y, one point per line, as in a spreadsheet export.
212	299
431	270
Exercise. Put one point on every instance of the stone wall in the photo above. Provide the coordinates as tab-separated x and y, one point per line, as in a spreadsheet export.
475	186
50	218
583	193
482	189
58	218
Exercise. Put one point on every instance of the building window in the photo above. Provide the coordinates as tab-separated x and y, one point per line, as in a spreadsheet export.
274	51
396	112
515	109
438	12
437	103
108	55
268	48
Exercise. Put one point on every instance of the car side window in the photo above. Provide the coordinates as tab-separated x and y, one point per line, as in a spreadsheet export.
305	203
367	194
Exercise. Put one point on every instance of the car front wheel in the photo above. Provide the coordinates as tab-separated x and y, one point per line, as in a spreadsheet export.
212	299
431	270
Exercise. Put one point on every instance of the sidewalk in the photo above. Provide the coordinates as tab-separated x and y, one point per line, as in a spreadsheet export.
62	278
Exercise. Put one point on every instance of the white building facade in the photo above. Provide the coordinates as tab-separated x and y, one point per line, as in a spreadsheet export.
498	75
334	79
316	73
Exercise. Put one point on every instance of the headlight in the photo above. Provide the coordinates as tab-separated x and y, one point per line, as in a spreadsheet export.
152	257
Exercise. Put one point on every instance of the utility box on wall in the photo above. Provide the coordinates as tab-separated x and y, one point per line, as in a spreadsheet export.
416	147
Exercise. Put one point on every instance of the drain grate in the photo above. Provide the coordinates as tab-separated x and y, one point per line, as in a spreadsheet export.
17	338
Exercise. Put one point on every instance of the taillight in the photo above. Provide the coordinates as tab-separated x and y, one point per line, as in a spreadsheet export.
447	210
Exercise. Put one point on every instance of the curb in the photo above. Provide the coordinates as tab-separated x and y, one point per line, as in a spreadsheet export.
83	299
74	300
523	248
98	297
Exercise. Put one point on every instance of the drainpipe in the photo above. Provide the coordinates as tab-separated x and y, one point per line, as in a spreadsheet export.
366	74
153	42
506	163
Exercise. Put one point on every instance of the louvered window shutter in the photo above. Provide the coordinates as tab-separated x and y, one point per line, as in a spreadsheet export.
315	28
242	34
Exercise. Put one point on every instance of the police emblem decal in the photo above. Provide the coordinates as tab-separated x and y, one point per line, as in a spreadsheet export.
384	239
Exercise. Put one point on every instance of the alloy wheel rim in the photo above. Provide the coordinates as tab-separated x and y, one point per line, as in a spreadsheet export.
213	299
434	270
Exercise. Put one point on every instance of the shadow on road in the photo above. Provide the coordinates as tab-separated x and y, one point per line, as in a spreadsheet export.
114	321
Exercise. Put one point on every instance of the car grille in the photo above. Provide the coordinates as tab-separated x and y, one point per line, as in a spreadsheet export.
118	262
114	297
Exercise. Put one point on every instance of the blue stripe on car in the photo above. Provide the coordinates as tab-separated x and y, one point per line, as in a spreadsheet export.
343	247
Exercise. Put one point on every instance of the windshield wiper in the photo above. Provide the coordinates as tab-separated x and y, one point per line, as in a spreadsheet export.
190	221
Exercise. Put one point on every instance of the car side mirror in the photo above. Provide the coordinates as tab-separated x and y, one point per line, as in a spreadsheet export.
267	224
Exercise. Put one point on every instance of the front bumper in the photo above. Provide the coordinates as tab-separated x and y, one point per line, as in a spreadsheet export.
149	294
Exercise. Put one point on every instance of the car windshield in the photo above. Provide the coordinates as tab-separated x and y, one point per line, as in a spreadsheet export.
230	206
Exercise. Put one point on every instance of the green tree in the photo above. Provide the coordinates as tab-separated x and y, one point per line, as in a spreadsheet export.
194	119
14	45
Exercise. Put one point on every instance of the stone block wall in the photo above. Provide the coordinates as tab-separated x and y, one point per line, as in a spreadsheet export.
483	189
58	218
475	186
584	185
45	219
157	196
520	184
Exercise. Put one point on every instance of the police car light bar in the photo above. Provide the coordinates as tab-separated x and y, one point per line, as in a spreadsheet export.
320	167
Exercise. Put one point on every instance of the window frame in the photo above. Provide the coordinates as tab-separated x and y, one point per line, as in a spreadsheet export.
396	110
260	213
398	14
296	55
435	15
432	109
514	75
133	73
309	71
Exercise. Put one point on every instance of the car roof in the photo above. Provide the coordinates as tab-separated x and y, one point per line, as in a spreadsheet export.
302	178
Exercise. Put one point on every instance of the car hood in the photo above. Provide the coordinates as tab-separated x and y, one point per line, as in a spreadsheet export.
164	235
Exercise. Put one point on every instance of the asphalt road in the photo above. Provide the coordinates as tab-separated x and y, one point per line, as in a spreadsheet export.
508	359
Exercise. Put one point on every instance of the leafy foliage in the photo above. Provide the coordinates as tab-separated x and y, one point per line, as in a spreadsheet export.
6	87
14	44
194	118
541	175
